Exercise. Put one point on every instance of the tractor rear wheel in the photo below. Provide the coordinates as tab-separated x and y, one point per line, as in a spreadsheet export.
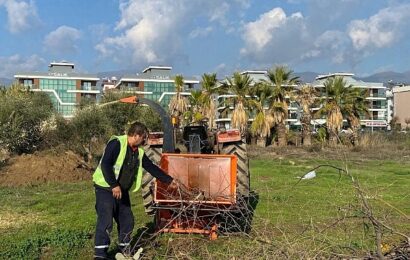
154	154
242	173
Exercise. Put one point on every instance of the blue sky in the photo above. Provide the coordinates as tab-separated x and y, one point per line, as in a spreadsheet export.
201	36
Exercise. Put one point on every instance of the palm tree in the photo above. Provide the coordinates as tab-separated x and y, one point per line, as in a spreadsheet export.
195	112
281	81
407	121
239	86
306	97
263	121
335	94
355	106
178	104
209	89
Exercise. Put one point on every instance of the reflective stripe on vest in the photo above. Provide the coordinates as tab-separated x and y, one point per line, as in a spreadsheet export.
98	177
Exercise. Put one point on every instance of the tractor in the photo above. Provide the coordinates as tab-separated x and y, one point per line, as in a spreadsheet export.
212	162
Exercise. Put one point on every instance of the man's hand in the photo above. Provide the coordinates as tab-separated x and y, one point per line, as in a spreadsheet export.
116	192
173	185
177	185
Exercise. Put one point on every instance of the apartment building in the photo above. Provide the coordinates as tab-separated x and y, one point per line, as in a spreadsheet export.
377	118
224	115
65	86
155	83
401	104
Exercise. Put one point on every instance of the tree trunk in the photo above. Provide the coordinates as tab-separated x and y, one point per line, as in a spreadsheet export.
261	141
306	131
307	139
254	140
354	124
282	140
355	136
333	138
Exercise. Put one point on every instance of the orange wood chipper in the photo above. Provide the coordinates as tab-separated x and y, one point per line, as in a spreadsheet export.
211	166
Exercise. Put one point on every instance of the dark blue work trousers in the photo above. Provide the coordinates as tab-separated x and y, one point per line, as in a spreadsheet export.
109	208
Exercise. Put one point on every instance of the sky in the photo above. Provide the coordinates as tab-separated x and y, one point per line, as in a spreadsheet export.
206	36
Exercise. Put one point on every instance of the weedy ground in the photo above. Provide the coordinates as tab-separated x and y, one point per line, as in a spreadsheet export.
320	217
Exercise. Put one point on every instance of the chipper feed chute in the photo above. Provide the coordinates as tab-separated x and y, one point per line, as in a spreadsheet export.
211	189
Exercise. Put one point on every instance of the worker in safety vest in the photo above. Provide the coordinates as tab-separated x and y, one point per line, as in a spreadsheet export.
120	169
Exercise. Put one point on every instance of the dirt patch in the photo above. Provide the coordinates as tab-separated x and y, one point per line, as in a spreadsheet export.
9	219
44	167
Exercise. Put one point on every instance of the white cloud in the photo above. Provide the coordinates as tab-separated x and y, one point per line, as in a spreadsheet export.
200	32
21	15
98	31
224	70
16	63
221	70
382	29
219	14
275	37
153	31
62	40
259	33
332	45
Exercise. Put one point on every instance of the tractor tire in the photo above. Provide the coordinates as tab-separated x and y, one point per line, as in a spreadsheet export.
154	154
242	173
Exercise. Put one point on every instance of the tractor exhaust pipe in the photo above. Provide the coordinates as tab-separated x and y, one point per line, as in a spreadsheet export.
169	145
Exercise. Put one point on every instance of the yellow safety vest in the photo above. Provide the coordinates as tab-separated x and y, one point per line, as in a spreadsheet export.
98	177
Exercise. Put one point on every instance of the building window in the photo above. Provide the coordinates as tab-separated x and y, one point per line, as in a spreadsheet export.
60	87
28	83
86	85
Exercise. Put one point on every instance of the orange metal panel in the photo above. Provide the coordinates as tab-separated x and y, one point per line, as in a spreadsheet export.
167	222
132	100
156	138
210	178
229	136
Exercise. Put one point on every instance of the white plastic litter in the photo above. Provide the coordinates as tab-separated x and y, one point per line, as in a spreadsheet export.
138	254
309	175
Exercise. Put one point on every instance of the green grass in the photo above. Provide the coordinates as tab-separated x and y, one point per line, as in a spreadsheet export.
316	217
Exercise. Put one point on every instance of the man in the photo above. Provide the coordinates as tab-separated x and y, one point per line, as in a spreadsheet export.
119	169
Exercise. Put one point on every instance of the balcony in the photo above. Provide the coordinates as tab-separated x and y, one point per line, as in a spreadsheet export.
377	94
86	87
86	90
377	107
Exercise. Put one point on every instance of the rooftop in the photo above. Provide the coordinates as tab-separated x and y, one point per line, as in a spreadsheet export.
156	68
60	70
254	72
341	74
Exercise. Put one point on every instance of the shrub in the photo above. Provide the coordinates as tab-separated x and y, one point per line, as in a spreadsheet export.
88	127
321	135
57	131
21	115
294	137
120	115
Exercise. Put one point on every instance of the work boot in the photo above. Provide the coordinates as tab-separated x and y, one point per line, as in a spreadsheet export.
101	253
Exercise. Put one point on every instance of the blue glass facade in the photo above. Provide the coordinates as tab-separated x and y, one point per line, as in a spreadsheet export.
60	87
157	88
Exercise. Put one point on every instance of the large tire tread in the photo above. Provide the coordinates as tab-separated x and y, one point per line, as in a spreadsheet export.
242	175
154	154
